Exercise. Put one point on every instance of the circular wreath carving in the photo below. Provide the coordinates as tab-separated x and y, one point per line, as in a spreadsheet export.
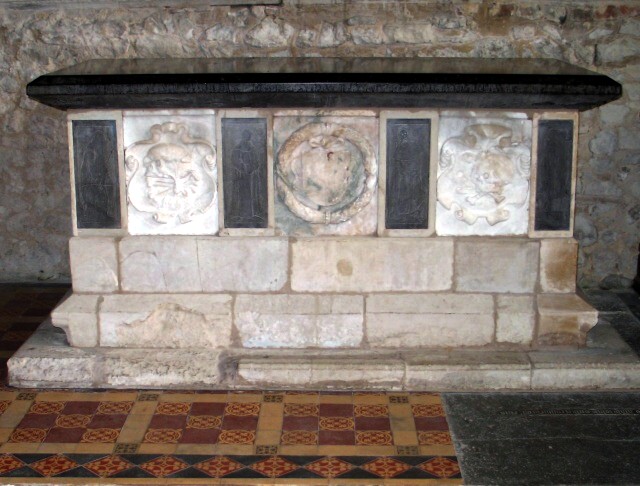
326	173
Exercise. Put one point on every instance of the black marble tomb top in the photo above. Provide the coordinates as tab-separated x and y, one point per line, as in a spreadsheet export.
324	83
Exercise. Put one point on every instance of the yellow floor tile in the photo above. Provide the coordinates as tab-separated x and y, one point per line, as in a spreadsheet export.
425	399
299	450
5	434
144	408
336	450
196	449
14	413
237	449
8	395
118	396
336	399
437	450
268	437
405	437
302	398
106	448
56	448
206	398
157	448
245	397
175	397
370	400
19	447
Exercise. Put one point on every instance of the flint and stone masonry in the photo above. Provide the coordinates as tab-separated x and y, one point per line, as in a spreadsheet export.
317	267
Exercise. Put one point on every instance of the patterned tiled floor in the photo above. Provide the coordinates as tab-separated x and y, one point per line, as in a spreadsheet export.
221	437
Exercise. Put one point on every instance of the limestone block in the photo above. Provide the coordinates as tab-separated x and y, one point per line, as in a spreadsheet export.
166	321
516	319
371	264
558	265
94	264
430	320
468	370
299	321
78	317
47	360
377	372
135	368
382	374
253	264
159	264
283	372
607	367
500	265
564	319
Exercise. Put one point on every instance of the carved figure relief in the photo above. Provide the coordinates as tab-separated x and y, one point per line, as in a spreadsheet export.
484	178
326	173
171	176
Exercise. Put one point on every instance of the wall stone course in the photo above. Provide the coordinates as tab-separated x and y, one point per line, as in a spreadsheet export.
35	41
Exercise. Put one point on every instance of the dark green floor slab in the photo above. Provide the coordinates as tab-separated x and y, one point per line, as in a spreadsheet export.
546	438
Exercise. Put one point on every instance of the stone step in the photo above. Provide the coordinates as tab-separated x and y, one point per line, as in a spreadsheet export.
47	360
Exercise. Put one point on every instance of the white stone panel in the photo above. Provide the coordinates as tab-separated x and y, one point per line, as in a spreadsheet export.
430	320
509	266
251	264
159	264
326	174
166	321
171	172
516	319
299	321
484	166
94	264
371	265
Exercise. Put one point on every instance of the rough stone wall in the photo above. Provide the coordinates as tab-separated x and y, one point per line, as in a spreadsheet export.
602	36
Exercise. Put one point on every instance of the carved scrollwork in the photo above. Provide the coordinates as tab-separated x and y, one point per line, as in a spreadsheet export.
326	173
171	175
484	173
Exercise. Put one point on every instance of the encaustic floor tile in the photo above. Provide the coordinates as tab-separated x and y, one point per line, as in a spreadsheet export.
212	437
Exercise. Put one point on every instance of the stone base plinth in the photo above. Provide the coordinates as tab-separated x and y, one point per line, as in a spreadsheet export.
181	292
47	360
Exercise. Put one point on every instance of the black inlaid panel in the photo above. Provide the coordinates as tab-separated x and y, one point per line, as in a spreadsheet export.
95	158
244	148
553	184
408	155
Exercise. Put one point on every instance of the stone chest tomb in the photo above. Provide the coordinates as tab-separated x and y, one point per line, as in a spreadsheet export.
228	211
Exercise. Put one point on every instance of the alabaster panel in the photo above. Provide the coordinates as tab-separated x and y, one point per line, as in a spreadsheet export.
484	169
171	172
326	175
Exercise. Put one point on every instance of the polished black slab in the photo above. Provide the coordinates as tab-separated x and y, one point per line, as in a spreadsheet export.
95	162
325	82
546	438
244	163
553	183
408	156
